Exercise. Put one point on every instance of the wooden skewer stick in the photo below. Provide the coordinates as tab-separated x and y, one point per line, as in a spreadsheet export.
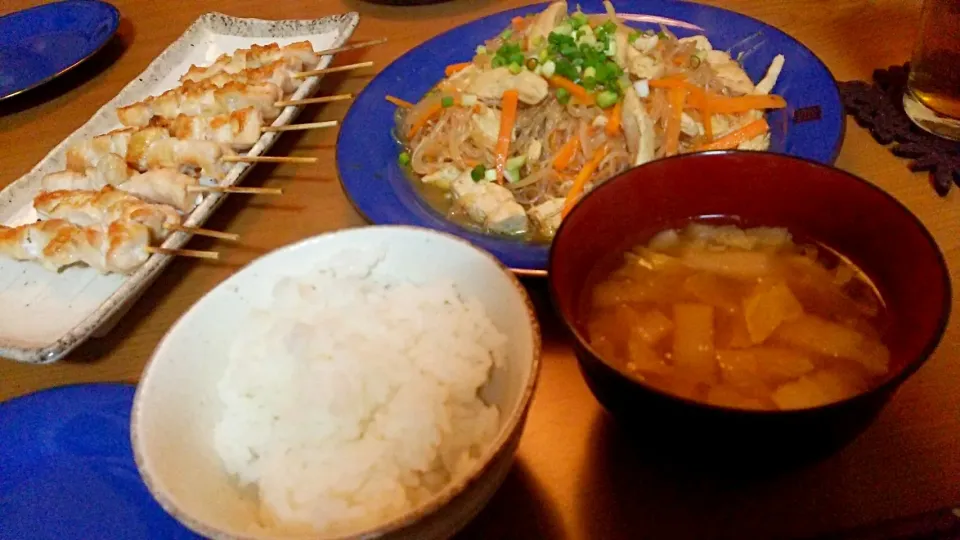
311	101
236	189
268	159
335	69
233	237
184	252
353	46
298	127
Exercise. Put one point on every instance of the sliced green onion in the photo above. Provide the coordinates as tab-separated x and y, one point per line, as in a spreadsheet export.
517	58
490	175
578	19
590	72
516	162
478	172
512	175
563	95
506	34
549	68
606	99
633	36
481	49
447	101
543	56
609	27
515	68
589	82
498	61
611	48
403	159
566	69
662	35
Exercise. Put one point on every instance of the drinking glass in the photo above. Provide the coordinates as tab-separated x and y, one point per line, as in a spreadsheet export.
932	99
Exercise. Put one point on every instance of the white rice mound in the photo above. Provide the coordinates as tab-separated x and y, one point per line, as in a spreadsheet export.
351	400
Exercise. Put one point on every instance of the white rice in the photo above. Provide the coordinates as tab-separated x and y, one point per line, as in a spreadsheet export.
351	400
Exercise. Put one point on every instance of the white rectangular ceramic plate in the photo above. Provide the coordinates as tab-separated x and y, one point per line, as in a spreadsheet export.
45	315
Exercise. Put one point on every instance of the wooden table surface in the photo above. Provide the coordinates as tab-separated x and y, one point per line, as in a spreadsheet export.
576	476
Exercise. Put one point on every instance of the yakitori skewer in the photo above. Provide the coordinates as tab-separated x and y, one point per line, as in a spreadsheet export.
121	247
164	186
100	208
334	69
254	57
239	129
352	46
261	55
204	100
154	147
301	127
314	100
236	190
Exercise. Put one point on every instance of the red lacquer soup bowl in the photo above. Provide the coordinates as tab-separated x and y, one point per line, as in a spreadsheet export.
814	201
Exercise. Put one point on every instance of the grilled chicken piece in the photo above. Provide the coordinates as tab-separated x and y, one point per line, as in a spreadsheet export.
493	83
100	208
204	100
546	21
490	205
56	244
162	186
254	57
239	129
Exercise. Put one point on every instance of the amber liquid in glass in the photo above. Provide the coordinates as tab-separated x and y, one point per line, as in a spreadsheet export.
935	68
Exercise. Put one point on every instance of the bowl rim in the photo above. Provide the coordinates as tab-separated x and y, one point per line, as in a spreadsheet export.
515	420
887	386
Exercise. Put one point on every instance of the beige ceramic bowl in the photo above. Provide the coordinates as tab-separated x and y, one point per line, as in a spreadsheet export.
176	404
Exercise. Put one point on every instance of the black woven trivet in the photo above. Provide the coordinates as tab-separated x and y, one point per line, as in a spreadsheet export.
879	108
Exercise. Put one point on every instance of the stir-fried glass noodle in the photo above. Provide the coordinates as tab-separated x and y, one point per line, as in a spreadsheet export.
558	103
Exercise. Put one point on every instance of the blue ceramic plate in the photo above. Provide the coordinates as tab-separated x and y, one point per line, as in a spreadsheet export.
367	152
67	470
40	43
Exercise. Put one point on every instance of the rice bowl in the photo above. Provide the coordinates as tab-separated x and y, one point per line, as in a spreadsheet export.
412	399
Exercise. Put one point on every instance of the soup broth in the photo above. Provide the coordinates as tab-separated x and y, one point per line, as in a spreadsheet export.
742	318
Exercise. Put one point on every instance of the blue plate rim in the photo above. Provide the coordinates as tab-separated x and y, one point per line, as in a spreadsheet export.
511	244
63	388
114	26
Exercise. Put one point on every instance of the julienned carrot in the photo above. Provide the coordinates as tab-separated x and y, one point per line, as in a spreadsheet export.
581	179
699	98
696	96
734	138
613	119
706	117
675	96
730	105
399	102
578	92
454	68
508	117
566	153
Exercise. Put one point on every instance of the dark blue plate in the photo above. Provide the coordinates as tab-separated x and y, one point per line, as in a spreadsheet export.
67	470
367	152
40	43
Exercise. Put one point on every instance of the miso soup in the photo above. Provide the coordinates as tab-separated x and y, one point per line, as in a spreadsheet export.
742	318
